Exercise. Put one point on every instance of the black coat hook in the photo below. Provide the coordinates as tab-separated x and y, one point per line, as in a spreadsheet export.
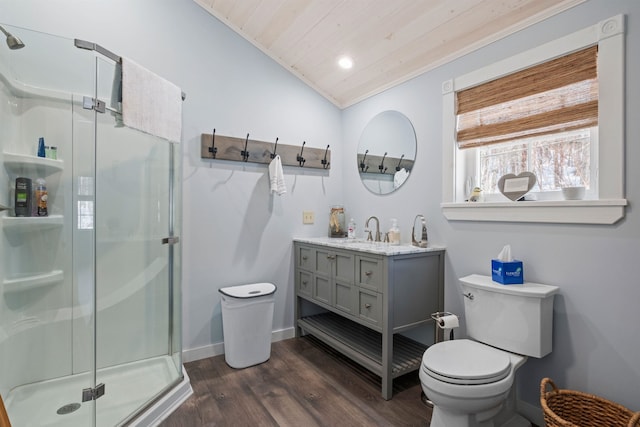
245	153
363	166
399	161
213	149
382	168
275	148
299	157
324	162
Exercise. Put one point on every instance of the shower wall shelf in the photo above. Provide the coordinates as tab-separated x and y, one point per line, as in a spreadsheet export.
32	282
32	223
17	163
214	146
33	166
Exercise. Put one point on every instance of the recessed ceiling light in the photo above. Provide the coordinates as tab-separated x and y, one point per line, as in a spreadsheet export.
345	62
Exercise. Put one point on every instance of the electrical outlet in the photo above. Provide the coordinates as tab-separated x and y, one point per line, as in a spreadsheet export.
308	217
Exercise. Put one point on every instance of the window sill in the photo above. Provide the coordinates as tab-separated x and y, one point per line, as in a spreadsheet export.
559	211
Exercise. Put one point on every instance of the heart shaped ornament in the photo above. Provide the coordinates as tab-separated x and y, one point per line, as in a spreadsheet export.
516	186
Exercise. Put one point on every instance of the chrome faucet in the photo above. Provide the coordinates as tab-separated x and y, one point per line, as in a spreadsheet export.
369	238
422	243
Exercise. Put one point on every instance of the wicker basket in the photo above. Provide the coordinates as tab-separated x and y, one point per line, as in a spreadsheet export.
568	408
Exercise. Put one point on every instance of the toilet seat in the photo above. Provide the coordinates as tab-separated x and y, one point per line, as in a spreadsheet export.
466	362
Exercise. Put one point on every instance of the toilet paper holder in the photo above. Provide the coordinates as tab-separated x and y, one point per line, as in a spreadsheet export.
439	329
439	314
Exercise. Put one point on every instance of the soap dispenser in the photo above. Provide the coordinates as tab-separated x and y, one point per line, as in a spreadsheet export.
394	232
422	243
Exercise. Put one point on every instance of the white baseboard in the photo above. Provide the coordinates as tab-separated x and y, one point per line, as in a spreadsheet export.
532	412
217	349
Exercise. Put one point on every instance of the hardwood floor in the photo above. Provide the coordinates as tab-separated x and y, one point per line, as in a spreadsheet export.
303	384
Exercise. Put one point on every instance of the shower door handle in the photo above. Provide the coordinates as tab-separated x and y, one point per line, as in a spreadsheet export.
171	240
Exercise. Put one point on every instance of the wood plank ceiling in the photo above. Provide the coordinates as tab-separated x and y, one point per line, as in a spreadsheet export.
390	41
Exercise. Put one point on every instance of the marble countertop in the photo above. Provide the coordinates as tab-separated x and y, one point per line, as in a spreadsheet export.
365	246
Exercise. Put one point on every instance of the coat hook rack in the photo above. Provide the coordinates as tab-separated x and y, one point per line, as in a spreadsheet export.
299	157
382	168
237	149
244	153
363	165
275	149
324	161
366	160
213	149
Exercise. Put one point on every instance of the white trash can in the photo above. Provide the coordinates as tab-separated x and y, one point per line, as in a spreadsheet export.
247	320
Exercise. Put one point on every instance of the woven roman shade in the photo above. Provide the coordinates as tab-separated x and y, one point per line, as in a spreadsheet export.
555	96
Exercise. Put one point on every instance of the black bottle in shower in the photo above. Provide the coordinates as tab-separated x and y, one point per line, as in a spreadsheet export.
23	197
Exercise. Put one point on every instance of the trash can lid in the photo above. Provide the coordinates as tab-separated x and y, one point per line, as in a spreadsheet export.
249	291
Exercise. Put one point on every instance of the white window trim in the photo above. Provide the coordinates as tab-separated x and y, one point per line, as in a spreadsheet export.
610	205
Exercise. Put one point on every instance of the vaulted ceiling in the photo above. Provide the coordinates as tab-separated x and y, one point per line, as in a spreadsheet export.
389	41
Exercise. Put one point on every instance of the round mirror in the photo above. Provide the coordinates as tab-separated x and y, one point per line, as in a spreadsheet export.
386	152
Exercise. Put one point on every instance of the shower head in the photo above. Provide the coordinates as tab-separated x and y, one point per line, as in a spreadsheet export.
12	41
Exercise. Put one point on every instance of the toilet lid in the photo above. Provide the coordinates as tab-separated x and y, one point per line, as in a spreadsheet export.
466	362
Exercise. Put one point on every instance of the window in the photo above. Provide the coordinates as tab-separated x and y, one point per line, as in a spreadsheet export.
557	111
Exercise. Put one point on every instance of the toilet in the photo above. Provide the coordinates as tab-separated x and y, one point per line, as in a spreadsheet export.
471	381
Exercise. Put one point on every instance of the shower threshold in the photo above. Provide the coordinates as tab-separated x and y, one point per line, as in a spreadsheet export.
128	388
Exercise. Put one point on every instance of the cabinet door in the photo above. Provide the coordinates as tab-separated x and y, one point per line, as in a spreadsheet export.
370	273
305	283
370	307
305	258
344	267
323	259
322	289
344	296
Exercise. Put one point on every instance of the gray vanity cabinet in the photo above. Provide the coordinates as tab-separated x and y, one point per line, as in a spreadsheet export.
359	302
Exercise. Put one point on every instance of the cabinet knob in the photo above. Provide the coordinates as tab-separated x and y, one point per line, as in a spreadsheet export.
331	257
304	257
368	273
367	305
305	283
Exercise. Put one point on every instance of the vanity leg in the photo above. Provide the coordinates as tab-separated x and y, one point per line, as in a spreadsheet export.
387	357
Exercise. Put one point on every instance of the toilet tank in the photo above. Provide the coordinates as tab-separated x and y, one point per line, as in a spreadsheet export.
515	318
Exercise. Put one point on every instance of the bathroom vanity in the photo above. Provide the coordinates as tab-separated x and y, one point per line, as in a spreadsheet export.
358	297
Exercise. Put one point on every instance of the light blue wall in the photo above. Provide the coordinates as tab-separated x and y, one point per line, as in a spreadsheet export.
234	232
596	340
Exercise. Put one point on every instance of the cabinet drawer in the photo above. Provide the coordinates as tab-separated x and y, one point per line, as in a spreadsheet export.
370	273
305	258
370	307
305	283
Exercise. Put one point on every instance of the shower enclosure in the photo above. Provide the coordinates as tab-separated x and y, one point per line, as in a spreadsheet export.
90	310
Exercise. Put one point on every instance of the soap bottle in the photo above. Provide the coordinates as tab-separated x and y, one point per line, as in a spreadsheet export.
351	229
394	232
41	197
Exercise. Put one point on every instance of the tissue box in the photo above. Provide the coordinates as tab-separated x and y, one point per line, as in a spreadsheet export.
507	273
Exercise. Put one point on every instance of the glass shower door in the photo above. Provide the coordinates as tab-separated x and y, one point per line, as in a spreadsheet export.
46	305
137	310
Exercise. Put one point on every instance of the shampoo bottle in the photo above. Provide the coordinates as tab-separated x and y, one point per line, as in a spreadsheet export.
41	197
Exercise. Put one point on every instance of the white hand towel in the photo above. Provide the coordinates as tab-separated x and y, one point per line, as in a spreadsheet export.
400	177
150	103
276	176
